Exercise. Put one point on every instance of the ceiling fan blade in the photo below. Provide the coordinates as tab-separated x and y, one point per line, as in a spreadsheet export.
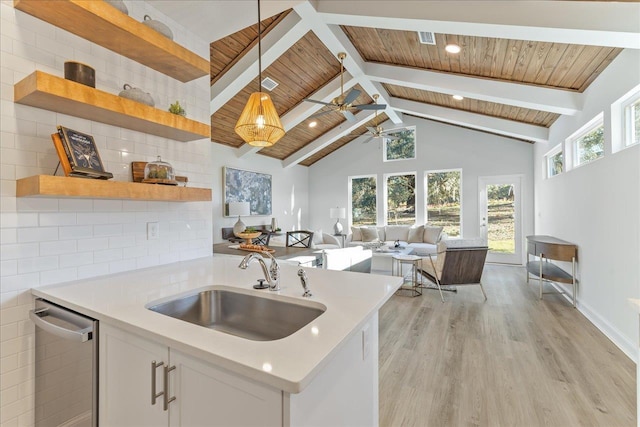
370	106
321	113
349	116
367	140
370	129
351	96
317	102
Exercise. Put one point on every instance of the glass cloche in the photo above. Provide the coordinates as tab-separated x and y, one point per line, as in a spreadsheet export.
159	171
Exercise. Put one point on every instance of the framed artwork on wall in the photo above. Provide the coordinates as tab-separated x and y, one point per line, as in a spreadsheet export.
247	186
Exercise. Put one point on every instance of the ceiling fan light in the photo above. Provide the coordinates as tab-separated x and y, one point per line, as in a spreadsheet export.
458	97
313	124
452	48
259	124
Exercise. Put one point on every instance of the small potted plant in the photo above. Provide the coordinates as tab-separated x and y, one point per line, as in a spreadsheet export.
176	108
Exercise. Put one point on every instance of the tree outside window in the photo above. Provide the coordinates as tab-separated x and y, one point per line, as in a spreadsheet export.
363	201
401	146
591	146
443	200
555	163
632	123
401	199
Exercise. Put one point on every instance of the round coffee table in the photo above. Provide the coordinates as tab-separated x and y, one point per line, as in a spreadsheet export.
412	283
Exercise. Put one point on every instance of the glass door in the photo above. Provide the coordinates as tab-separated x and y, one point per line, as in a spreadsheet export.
500	217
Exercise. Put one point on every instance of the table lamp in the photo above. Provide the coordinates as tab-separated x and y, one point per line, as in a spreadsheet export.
239	208
337	213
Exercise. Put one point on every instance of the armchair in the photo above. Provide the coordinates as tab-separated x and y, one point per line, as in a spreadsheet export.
328	242
458	262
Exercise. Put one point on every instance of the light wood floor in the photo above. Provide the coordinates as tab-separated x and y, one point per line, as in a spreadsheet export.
510	361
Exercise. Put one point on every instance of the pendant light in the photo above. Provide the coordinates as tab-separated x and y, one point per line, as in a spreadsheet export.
259	124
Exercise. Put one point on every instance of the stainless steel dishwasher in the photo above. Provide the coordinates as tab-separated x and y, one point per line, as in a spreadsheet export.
66	381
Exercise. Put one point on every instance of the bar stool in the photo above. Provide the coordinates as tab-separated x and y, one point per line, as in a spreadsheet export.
414	281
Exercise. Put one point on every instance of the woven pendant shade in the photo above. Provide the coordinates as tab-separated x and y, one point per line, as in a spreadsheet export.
259	124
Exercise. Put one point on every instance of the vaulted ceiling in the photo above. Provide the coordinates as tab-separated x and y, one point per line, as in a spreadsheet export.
518	70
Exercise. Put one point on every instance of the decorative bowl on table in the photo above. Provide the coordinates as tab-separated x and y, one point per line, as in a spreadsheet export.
249	236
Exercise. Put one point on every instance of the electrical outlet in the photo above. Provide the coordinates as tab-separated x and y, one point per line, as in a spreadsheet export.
153	231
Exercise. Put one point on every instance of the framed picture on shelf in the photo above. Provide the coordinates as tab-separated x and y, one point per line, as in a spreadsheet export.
247	186
81	154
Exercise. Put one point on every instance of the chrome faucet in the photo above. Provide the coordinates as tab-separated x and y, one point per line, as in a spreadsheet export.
272	275
304	280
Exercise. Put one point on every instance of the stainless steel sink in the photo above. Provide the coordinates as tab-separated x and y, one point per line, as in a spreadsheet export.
244	315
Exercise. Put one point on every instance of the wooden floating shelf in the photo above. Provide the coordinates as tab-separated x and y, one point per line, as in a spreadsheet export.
102	24
54	93
59	186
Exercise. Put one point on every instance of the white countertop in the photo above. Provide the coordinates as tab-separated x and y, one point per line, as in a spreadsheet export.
120	299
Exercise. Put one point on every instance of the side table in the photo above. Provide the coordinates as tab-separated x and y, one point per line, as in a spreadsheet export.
342	238
414	282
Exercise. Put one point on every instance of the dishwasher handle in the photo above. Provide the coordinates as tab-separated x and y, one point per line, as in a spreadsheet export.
38	317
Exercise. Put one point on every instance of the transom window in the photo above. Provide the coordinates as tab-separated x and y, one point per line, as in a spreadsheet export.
631	124
401	198
363	200
587	144
555	161
400	146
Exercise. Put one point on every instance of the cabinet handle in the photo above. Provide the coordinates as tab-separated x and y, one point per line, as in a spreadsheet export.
155	395
167	399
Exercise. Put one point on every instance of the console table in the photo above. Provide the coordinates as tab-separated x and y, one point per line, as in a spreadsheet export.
547	248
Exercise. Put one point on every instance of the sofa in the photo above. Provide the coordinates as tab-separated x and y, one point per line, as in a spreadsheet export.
324	241
423	239
347	259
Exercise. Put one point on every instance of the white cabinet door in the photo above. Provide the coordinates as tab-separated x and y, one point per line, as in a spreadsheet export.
208	396
126	379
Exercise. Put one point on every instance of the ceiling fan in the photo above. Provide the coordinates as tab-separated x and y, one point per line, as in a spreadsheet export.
378	131
344	103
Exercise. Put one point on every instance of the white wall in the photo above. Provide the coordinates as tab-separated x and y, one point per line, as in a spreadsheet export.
596	207
290	201
439	146
51	240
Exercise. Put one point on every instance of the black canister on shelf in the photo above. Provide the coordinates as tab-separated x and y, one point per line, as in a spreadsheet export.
80	73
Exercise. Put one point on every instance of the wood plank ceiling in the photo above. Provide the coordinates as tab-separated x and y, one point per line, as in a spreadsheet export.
308	66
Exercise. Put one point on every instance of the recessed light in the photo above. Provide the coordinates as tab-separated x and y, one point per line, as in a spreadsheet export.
452	48
313	124
458	97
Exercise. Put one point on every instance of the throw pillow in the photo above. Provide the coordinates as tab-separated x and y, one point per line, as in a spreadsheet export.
369	234
431	234
356	234
397	232
416	234
317	237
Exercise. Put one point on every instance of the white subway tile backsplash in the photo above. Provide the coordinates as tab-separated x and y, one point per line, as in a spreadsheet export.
75	260
121	242
93	270
92	218
18	250
33	204
76	205
8	267
107	255
8	332
58	276
37	234
57	218
93	244
122	265
31	265
107	230
76	232
107	205
58	247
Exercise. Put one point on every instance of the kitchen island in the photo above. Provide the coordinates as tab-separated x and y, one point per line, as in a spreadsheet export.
325	373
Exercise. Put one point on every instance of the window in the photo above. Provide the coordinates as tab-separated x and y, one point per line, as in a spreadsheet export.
400	146
555	161
444	204
401	198
363	203
631	120
587	144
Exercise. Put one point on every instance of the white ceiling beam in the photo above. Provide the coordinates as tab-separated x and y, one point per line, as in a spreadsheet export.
576	22
336	41
473	120
303	110
328	138
516	94
274	44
